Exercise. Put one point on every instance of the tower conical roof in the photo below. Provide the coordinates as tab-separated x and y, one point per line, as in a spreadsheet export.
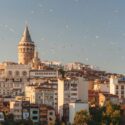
26	36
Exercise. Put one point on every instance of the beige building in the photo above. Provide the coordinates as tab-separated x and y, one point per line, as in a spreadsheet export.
16	107
102	86
43	74
40	95
47	115
21	108
103	97
13	78
117	86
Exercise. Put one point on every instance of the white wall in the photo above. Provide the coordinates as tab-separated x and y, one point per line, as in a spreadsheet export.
83	89
113	83
102	87
60	96
75	107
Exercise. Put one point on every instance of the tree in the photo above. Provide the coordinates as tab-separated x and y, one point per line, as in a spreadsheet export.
96	114
111	115
10	116
62	72
81	118
25	122
115	117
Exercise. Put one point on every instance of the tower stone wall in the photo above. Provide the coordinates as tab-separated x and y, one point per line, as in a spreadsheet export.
26	48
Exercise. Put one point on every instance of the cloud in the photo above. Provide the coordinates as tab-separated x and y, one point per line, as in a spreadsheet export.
97	37
116	11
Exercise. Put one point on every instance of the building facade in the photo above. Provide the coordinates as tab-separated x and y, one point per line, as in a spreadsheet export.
40	95
13	79
71	90
117	86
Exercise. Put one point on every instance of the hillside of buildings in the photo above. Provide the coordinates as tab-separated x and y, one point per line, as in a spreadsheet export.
47	92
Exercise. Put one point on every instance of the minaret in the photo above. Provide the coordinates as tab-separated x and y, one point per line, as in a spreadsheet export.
36	63
26	48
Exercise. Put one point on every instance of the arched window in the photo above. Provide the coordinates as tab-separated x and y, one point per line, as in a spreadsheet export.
17	73
24	73
10	73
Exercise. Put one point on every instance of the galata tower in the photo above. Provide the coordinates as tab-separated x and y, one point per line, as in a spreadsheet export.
26	48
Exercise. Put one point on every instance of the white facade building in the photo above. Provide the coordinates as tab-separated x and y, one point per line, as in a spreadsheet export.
82	89
113	84
70	91
76	107
101	86
43	74
74	65
2	117
117	86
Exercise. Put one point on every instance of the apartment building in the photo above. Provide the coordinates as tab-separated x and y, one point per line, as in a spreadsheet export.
47	115
40	95
117	86
13	78
70	90
34	113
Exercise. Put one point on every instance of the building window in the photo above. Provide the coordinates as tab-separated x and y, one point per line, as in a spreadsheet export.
17	73
34	117
23	49
50	119
51	113
122	87
35	112
16	104
116	86
122	96
122	92
74	94
74	85
116	92
9	72
24	73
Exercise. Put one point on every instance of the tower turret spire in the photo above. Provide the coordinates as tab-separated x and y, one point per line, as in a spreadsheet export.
26	48
26	35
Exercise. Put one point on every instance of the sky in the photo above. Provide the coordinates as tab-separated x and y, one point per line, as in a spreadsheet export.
87	31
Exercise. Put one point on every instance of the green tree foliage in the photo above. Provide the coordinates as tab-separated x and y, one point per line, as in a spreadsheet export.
107	115
111	115
115	117
10	117
96	114
25	122
62	72
81	118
